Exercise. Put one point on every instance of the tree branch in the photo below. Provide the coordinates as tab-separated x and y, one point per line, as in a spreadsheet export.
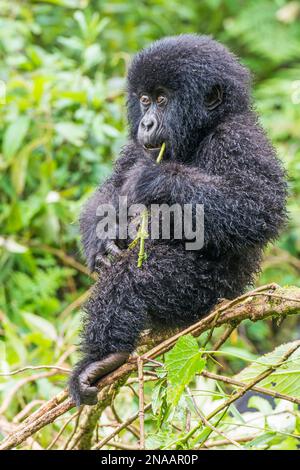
264	302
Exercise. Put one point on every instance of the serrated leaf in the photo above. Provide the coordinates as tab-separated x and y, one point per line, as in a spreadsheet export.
285	379
182	363
41	325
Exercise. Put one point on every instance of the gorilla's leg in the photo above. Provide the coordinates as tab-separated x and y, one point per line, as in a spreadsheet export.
125	298
111	328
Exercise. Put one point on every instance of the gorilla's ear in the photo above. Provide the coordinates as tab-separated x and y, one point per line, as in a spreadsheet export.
214	98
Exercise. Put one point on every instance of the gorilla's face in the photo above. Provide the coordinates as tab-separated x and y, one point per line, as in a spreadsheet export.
181	88
152	129
158	117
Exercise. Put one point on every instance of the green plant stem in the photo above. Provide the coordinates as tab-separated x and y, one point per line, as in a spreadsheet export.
142	232
143	236
161	153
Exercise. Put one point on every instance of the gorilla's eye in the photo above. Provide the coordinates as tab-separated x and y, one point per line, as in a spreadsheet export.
161	100
214	98
145	100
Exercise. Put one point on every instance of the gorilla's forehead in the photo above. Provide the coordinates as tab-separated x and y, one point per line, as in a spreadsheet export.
175	61
165	63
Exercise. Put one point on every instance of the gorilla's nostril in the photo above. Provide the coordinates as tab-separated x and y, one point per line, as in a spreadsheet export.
148	124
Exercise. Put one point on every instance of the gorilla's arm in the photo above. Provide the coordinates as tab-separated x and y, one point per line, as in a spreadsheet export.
95	247
242	207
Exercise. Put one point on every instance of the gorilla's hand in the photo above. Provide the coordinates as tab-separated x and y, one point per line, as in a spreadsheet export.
144	182
82	384
99	250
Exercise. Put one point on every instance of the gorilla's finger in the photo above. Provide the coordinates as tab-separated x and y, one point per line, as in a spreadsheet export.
112	248
102	259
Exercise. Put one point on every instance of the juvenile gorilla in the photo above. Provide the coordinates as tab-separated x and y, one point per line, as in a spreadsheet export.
191	93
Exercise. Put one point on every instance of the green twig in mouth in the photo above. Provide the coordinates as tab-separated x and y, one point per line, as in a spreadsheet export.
161	153
142	233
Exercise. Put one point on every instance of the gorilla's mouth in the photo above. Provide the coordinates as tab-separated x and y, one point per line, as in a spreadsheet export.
149	147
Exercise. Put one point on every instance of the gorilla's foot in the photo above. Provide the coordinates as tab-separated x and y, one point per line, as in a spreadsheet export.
83	381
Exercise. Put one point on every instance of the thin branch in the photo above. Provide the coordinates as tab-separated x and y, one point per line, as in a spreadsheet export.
120	428
130	428
76	304
119	445
26	410
23	369
65	258
75	429
141	402
229	330
237	383
12	392
226	442
62	430
206	422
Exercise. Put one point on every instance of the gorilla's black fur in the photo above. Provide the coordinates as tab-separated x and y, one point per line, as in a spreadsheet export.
217	157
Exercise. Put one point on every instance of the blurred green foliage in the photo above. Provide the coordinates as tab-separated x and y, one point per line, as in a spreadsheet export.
62	123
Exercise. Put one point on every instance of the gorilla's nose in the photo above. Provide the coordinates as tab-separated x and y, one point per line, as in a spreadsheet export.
148	124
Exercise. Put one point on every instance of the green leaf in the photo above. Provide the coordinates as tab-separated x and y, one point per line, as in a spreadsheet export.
14	136
36	323
182	363
158	395
261	440
73	133
285	379
260	404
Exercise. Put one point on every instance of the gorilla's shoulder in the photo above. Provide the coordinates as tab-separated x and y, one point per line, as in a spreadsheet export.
242	131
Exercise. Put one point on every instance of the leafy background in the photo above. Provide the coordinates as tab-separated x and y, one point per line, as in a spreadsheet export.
62	123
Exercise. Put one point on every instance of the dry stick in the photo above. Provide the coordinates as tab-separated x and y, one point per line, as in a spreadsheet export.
75	427
237	383
226	442
234	302
224	337
48	406
32	378
206	423
66	259
141	402
119	445
281	297
8	428
131	428
62	430
124	425
23	369
76	304
26	410
256	308
210	320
